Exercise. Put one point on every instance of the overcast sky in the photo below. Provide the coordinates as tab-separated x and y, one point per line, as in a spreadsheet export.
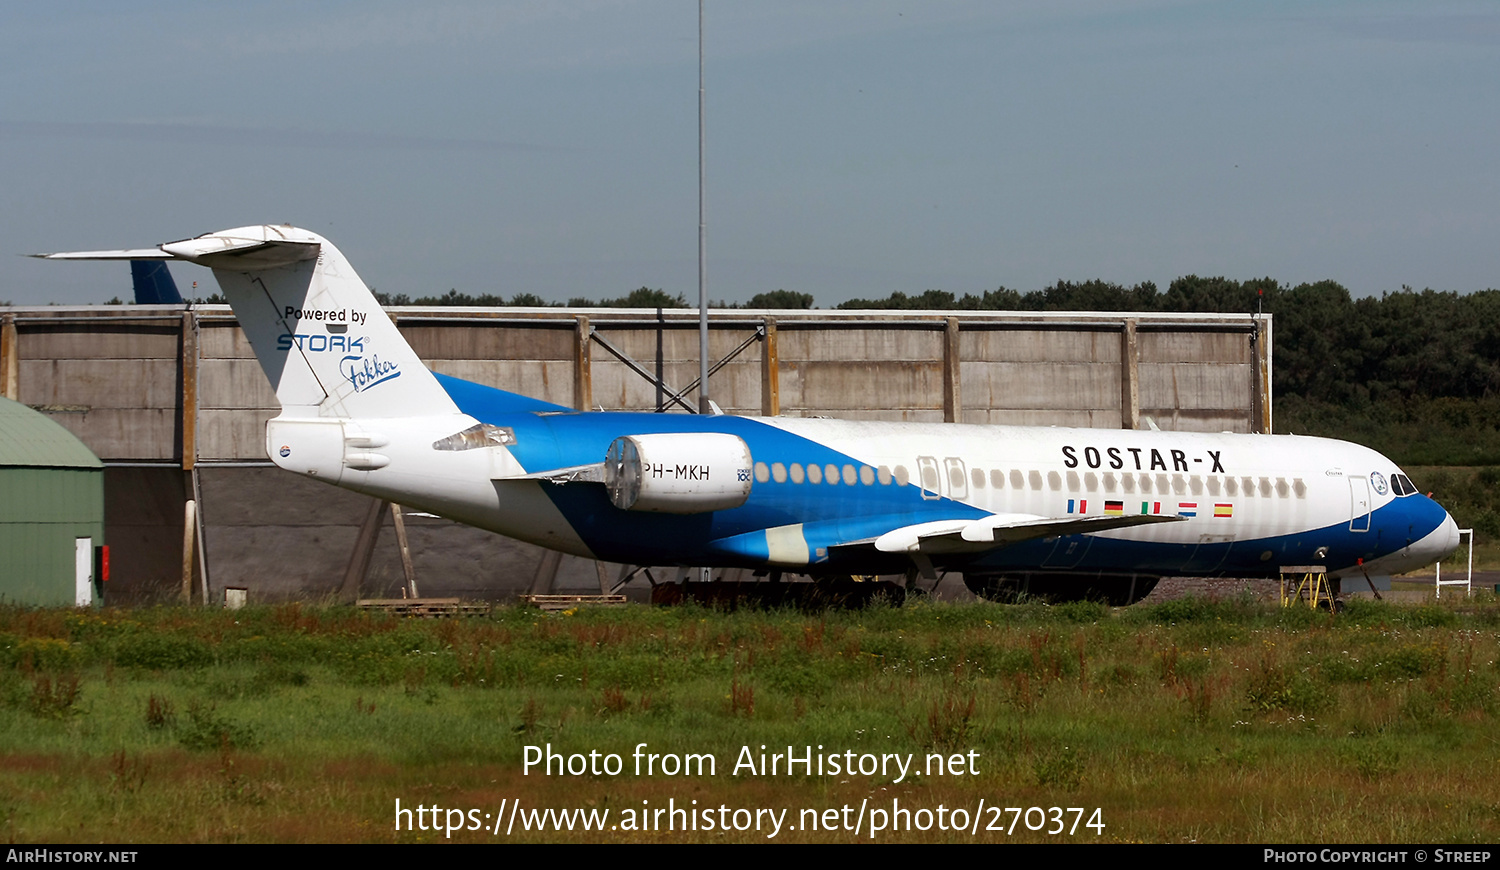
854	148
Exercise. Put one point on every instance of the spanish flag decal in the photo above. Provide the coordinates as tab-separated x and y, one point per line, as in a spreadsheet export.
1223	510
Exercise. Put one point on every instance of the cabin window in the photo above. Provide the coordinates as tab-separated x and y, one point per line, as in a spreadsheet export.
831	473
955	475
1091	482
1299	487
1054	481
797	476
814	473
1145	483
778	472
883	474
1231	486
1072	481
1195	483
1213	486
850	475
977	477
1109	482
762	473
1247	485
997	479
903	477
867	475
1265	487
1281	488
1018	480
930	478
1036	480
1179	484
1163	484
1128	482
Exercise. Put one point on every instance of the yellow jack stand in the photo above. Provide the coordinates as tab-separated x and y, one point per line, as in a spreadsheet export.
1307	583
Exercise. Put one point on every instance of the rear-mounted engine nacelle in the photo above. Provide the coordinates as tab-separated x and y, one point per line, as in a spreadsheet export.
678	473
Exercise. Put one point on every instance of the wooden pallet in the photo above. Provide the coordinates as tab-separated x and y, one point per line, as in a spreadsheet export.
564	602
425	607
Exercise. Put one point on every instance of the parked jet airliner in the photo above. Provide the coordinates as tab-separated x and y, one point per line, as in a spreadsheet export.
1061	511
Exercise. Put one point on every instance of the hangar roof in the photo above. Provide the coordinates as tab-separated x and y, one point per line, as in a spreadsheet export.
31	439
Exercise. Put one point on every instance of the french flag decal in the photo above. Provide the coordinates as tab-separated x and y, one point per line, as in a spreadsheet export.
1081	505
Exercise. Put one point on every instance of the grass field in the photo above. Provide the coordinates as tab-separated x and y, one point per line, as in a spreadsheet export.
1189	720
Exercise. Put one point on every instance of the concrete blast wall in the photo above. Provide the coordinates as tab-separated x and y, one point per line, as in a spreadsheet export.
174	402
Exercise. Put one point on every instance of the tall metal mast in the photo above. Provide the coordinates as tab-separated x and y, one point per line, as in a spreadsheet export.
703	405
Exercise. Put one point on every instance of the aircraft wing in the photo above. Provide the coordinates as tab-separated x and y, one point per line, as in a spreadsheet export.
592	473
997	530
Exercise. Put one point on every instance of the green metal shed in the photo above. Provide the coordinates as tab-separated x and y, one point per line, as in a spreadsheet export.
51	512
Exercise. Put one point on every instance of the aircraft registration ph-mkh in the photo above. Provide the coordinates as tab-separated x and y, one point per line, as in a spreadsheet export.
1062	512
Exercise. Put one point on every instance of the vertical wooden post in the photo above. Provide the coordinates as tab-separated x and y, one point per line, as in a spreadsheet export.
1130	377
583	366
199	534
406	569
189	533
953	406
364	548
189	364
1262	395
770	372
10	359
546	573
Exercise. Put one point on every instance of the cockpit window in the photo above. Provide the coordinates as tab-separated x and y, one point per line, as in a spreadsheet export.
1401	485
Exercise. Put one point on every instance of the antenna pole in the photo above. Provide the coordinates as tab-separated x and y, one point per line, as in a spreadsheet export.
703	406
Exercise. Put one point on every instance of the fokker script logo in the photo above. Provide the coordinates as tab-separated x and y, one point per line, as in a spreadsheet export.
366	372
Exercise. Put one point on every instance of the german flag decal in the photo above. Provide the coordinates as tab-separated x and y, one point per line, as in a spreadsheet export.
1114	507
1223	510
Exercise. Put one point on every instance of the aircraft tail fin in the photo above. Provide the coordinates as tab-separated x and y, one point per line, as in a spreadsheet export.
153	283
326	345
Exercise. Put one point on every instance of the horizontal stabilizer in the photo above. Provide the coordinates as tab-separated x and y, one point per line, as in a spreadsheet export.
246	248
999	530
136	254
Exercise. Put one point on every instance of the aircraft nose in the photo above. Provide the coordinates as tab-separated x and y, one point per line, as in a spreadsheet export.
1443	540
